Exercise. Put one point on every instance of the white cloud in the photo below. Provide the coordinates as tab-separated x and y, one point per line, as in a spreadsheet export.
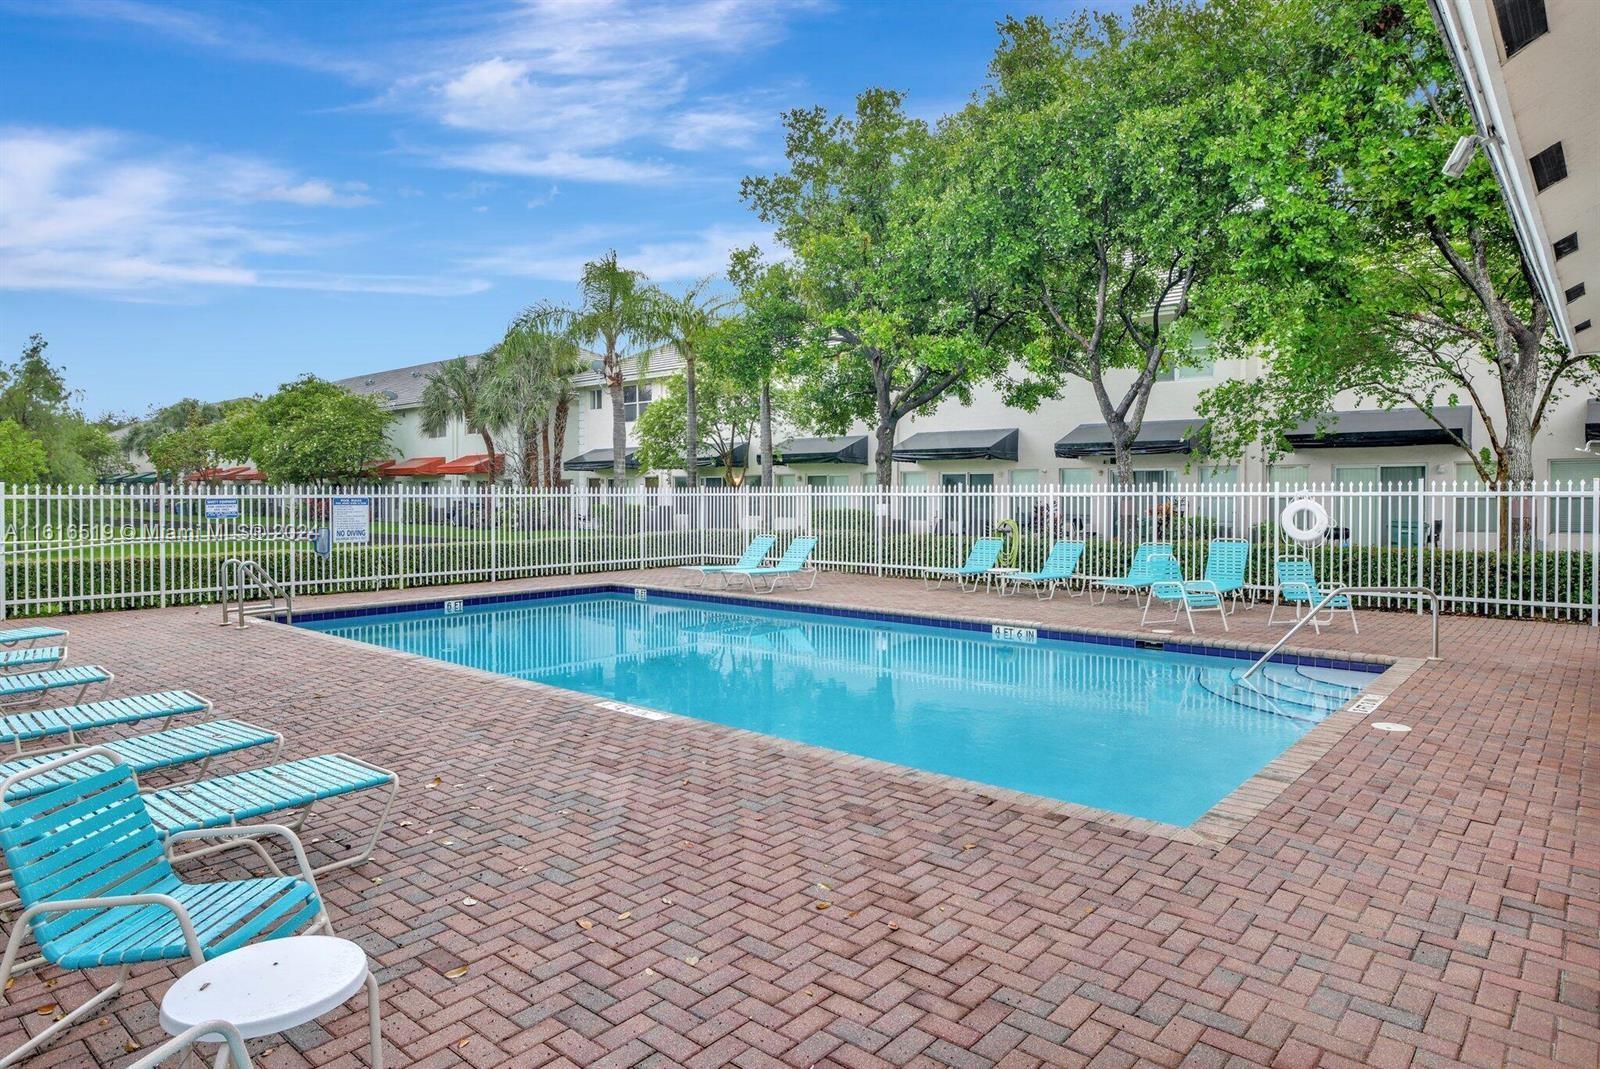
663	259
90	210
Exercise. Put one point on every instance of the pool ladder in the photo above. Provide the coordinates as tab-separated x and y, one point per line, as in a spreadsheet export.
1327	599
235	577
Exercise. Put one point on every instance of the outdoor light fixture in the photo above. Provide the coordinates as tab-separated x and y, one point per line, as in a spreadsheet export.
1461	155
1588	447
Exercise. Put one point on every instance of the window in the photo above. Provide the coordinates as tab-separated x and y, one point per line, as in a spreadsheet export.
1575	514
1076	504
1521	23
1290	474
968	512
827	482
1213	513
1198	364
595	399
1549	166
786	485
635	399
1474	515
915	485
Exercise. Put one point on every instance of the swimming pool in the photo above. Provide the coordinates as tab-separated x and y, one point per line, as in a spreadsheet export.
1148	732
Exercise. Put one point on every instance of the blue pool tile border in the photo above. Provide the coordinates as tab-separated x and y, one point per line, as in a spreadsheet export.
1054	634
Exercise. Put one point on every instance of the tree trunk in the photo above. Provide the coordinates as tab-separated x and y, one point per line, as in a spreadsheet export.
691	424
549	455
766	432
884	436
1519	388
530	458
563	407
619	420
884	407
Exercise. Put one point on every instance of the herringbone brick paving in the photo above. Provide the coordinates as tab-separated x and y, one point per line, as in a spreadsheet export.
633	893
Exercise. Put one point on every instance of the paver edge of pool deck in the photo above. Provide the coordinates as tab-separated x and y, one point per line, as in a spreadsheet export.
1429	898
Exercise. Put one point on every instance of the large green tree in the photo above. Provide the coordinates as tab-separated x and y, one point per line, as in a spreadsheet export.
34	395
22	456
887	336
686	321
1081	189
529	390
311	431
1360	266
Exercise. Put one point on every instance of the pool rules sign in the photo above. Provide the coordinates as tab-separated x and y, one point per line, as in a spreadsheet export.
350	520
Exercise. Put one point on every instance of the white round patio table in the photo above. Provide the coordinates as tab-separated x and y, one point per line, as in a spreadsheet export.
270	987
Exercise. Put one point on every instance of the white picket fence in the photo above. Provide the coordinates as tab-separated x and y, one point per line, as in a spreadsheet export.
1529	552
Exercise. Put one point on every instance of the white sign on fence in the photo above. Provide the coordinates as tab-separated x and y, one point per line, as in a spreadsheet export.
351	520
222	508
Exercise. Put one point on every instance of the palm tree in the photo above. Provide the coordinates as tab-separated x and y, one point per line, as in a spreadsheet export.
529	389
455	391
615	306
685	323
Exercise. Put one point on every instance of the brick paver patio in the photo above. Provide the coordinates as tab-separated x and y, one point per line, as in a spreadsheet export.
625	892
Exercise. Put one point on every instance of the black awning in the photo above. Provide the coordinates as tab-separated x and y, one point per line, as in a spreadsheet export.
741	457
600	460
1384	427
1591	422
959	445
843	449
1155	436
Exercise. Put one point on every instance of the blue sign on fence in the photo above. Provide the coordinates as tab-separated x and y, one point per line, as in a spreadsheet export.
222	508
350	520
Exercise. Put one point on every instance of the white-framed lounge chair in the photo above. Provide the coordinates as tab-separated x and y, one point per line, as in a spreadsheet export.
190	744
25	687
1226	562
1058	568
60	728
1297	583
753	555
98	887
31	657
979	565
29	636
1167	585
796	561
1137	579
291	787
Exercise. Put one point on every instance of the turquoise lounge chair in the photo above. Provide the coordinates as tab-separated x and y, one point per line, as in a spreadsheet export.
1057	569
796	560
1297	585
31	657
754	554
156	751
31	686
98	888
52	724
980	562
291	787
19	636
1138	577
1167	585
1226	562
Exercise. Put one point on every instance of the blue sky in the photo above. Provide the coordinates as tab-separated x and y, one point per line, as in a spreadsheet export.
208	199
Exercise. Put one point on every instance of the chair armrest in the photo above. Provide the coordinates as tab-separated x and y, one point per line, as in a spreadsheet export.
1296	584
1202	586
252	831
69	905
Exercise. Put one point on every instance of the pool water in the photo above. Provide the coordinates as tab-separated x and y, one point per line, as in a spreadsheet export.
1150	733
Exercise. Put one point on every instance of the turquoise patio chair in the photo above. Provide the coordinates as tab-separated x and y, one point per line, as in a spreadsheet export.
1226	562
98	888
796	560
17	636
29	657
754	554
1167	585
1137	578
1297	583
1059	565
60	728
31	686
980	562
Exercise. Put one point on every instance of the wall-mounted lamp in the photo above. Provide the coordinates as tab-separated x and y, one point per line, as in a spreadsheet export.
1588	447
1461	156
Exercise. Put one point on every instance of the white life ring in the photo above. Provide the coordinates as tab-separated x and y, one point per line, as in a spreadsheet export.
1309	532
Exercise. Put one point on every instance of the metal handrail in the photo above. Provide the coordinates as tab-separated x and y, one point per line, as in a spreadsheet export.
240	571
1408	591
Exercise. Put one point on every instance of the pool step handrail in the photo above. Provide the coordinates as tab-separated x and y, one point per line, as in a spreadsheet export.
1393	591
232	578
